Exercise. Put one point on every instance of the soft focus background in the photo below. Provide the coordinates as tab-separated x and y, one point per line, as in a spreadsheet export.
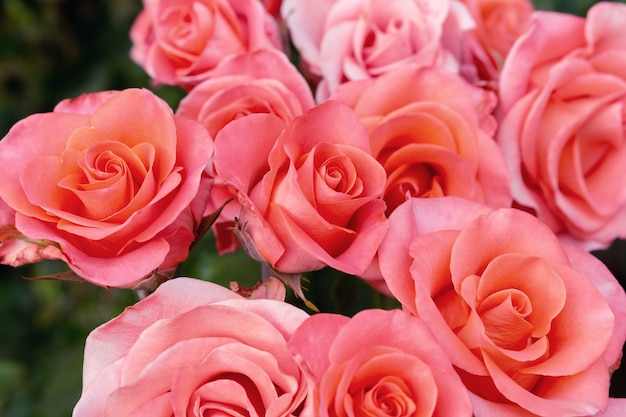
55	49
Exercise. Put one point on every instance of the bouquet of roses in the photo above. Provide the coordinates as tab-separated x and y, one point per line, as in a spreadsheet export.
462	157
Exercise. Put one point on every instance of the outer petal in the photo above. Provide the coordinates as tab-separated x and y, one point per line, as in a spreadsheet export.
112	340
312	341
601	278
417	217
368	226
308	18
564	32
330	122
603	29
230	152
269	63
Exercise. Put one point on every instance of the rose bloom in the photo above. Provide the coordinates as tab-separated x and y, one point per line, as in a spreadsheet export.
563	89
262	81
179	42
342	40
532	326
113	179
432	132
378	363
310	192
193	348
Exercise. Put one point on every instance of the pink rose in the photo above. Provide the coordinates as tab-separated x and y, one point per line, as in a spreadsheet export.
379	363
342	40
310	192
562	132
194	348
114	180
263	81
533	327
180	42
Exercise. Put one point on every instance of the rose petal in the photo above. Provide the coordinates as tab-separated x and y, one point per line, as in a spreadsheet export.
112	340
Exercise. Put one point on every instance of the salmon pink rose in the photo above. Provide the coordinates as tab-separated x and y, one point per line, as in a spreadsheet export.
310	192
114	180
193	348
180	42
378	363
563	90
342	40
432	132
533	327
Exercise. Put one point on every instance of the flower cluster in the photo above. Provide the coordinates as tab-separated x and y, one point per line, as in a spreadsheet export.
460	156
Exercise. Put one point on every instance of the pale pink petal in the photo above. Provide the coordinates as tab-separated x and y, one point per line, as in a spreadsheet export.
551	36
112	340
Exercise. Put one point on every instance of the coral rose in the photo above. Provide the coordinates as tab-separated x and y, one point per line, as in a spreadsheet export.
114	179
342	40
563	89
378	363
431	131
180	42
533	327
194	348
310	192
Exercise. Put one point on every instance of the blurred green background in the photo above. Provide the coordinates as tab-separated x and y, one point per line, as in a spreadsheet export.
54	49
